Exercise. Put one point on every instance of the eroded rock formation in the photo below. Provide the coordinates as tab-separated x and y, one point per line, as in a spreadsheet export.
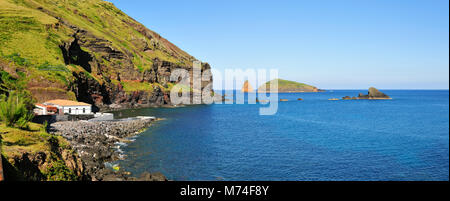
374	94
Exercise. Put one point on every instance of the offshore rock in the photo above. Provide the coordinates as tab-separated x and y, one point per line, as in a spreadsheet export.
374	94
247	88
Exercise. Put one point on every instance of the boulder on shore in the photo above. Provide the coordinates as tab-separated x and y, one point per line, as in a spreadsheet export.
96	143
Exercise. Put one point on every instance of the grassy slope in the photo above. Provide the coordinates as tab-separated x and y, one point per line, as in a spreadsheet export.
287	86
29	47
15	142
130	86
30	38
25	41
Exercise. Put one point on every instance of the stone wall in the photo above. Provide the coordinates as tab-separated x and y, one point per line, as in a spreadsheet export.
58	118
79	117
103	117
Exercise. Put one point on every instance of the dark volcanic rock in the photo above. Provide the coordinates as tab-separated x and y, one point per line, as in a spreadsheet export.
108	63
152	177
374	94
96	142
347	98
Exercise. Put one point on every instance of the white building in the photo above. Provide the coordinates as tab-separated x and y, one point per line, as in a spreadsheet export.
41	109
70	107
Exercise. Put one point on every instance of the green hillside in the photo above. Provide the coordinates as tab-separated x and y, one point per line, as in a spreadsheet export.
288	86
84	49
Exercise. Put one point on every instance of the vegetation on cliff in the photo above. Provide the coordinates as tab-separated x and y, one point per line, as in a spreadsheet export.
86	50
35	155
28	152
15	102
14	111
287	86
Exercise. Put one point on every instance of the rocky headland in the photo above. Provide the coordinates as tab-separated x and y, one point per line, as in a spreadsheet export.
88	51
286	86
96	143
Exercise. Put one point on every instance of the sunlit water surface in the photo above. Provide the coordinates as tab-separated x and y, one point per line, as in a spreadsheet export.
406	138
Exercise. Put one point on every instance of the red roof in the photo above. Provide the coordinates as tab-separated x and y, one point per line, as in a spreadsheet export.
66	103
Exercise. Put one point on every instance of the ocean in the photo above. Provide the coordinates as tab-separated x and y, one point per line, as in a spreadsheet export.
406	138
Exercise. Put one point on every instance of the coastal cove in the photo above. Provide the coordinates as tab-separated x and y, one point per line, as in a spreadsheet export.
269	92
96	144
316	139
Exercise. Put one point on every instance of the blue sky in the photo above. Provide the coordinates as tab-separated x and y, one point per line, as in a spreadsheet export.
345	44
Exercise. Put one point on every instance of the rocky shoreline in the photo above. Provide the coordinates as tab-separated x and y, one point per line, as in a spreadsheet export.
95	143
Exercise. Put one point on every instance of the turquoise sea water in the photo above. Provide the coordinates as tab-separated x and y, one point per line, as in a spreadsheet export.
406	138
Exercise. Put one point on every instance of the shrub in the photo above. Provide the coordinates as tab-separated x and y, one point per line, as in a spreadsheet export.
9	83
44	128
17	59
14	110
46	66
58	171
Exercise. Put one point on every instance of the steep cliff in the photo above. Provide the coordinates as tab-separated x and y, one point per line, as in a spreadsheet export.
87	50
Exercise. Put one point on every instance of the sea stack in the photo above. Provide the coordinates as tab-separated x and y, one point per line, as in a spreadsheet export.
247	88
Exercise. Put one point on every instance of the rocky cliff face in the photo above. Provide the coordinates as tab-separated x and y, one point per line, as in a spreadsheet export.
90	51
